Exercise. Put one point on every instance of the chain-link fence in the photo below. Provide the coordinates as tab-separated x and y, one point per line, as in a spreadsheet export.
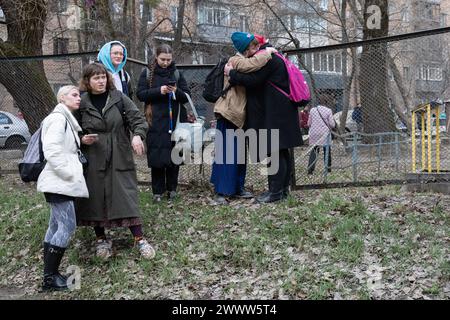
371	90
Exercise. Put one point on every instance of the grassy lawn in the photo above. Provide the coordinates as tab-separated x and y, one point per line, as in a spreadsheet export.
367	243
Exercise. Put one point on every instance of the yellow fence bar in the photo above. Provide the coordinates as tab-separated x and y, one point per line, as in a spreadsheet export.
423	141
429	132
438	140
413	129
422	119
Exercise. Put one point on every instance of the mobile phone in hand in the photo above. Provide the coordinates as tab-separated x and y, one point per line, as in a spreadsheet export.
92	135
171	83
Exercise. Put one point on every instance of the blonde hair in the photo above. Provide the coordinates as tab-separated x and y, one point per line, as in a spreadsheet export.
64	91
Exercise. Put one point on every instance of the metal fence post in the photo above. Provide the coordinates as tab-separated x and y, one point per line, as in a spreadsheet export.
380	141
355	157
397	153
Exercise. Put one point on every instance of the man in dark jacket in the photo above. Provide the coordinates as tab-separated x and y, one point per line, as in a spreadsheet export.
269	109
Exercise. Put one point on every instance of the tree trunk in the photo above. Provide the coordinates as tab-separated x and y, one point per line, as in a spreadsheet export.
403	113
177	44
377	117
26	80
347	81
105	16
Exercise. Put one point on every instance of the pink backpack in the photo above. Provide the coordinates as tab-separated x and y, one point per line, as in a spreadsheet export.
299	91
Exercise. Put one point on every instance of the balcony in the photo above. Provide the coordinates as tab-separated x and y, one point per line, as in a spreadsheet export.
89	25
215	33
429	86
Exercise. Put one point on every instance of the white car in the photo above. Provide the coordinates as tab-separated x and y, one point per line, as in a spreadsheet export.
13	131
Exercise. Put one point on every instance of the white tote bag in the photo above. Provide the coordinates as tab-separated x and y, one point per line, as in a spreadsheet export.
189	135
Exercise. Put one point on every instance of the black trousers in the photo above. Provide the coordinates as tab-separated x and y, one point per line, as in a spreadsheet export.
313	158
165	179
281	179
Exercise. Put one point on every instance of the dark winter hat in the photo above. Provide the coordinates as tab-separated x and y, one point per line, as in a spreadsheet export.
241	40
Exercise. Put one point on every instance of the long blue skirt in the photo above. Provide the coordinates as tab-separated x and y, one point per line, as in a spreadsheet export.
228	177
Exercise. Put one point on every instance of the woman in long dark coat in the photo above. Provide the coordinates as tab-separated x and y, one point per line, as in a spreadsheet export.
106	116
269	109
162	88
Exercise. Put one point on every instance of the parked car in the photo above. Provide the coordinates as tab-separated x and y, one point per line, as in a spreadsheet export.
13	131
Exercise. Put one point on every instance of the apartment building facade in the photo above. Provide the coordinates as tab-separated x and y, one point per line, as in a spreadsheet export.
423	62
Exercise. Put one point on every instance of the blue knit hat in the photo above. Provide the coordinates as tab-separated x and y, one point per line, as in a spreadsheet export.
241	40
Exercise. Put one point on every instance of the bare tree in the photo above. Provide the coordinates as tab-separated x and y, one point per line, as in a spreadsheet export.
25	80
377	117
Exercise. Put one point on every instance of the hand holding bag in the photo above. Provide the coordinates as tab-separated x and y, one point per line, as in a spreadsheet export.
189	135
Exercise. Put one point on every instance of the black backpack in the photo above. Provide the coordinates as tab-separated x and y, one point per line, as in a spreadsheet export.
213	86
33	161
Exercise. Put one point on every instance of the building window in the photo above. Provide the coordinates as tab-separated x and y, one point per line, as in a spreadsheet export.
271	25
431	73
406	73
60	46
214	15
434	73
405	15
331	63
116	11
197	57
174	15
299	22
324	62
306	60
431	10
316	58
318	25
59	6
338	63
243	23
390	75
443	20
149	17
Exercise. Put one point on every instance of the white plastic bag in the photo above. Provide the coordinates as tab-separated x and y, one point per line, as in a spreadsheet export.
189	135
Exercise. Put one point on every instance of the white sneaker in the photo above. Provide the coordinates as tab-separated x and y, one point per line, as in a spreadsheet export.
103	249
145	249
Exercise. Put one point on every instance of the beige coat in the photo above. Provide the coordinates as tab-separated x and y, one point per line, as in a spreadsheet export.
232	107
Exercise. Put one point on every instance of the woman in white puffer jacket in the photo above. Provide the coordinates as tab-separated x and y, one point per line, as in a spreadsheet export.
61	181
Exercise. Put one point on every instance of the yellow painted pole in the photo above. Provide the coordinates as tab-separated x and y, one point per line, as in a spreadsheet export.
413	129
423	141
438	142
429	133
